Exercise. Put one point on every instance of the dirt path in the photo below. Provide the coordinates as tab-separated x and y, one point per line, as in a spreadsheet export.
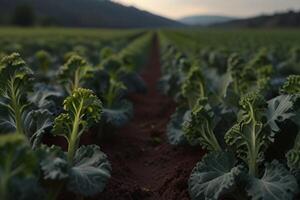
144	165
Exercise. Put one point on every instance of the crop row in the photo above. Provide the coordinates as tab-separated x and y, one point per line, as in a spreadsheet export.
242	106
89	90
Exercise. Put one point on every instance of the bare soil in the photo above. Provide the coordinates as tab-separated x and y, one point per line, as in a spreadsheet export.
145	165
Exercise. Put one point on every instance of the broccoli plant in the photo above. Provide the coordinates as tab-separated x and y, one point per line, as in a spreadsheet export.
291	88
74	73
18	169
15	79
85	170
193	86
252	75
199	128
18	114
247	135
241	171
44	60
82	109
117	111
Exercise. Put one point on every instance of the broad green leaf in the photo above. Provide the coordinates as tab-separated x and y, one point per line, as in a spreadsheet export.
279	110
277	183
53	163
119	114
213	177
175	127
199	128
18	166
90	172
36	123
46	97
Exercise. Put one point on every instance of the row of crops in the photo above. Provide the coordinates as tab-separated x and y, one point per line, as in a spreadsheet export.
237	95
56	83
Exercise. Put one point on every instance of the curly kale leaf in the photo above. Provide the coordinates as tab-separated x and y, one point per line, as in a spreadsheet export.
200	126
293	156
291	85
247	137
15	79
193	87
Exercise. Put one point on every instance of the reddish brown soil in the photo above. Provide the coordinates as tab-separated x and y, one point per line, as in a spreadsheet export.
144	165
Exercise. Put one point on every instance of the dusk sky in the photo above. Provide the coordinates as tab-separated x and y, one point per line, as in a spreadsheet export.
242	8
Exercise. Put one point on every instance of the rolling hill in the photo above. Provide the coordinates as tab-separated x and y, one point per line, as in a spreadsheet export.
287	19
79	13
205	20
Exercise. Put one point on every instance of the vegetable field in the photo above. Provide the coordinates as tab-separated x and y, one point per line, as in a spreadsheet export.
170	114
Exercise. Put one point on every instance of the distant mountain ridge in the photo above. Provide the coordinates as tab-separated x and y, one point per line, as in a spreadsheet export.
285	19
205	20
85	13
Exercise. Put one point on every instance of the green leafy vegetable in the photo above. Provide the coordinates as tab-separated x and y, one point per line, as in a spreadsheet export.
200	127
292	85
213	177
74	73
82	109
119	114
247	136
276	183
90	171
193	87
293	156
18	167
279	110
15	78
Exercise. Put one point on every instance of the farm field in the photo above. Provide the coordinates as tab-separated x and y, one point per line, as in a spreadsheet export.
165	114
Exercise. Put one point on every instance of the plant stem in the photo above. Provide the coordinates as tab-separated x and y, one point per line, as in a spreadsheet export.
252	150
73	143
76	80
15	104
110	95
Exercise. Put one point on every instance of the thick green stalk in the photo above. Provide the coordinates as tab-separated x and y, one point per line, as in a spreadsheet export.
15	105
253	155
76	80
110	95
253	146
73	143
212	139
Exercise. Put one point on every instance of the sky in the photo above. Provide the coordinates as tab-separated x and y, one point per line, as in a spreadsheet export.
176	9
